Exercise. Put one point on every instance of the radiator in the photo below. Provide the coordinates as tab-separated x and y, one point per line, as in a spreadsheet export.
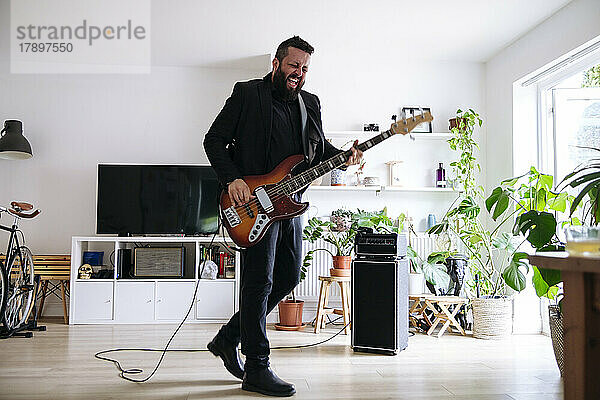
321	263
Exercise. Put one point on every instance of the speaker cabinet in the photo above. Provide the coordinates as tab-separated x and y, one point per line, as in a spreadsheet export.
159	262
379	305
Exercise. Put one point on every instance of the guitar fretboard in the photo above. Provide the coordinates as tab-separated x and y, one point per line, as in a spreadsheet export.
305	178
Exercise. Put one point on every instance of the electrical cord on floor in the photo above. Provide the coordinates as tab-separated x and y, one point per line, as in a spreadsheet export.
164	351
122	372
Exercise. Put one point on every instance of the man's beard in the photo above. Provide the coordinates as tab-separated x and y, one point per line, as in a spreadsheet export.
280	85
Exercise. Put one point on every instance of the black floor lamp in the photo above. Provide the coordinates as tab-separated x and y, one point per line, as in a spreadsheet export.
13	145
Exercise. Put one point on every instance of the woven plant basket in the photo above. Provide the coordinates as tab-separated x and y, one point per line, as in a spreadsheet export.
556	333
492	318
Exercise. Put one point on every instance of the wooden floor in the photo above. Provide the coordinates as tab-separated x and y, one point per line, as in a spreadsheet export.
59	364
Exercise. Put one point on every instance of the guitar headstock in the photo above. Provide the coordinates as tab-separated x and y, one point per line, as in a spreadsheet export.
405	125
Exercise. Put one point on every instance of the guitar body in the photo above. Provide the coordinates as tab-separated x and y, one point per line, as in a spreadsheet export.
247	224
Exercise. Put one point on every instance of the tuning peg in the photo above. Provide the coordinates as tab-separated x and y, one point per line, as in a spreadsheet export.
411	137
394	117
403	116
422	113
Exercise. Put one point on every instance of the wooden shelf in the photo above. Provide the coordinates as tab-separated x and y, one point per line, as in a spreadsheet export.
345	188
366	135
152	239
380	188
418	189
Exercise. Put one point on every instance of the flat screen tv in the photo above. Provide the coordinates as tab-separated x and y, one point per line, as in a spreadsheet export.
156	199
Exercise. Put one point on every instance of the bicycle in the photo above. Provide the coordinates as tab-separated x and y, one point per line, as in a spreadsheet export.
17	290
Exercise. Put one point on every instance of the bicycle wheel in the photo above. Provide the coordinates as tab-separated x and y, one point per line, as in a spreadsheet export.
20	290
3	288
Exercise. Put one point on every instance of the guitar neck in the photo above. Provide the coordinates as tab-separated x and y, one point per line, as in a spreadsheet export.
305	178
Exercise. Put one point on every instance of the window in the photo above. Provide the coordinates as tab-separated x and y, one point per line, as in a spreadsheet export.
569	120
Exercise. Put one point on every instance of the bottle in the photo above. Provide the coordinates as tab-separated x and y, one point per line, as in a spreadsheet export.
440	180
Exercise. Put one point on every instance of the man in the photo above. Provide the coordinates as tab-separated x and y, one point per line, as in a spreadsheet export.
259	126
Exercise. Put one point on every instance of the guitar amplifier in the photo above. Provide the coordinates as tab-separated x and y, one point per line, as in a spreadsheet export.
159	262
379	305
370	244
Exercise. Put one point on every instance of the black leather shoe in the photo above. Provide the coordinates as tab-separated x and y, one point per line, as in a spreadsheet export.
229	354
266	382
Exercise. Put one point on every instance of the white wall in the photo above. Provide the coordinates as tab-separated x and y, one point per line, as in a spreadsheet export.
76	121
570	27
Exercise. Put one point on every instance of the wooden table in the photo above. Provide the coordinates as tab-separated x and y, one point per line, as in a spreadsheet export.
581	321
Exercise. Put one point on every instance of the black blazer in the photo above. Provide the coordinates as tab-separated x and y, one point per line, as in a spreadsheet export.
238	140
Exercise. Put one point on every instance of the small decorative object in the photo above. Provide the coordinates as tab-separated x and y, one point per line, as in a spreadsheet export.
456	266
371	128
454	123
395	173
371	181
338	177
85	271
410	112
342	219
359	172
430	221
440	178
209	270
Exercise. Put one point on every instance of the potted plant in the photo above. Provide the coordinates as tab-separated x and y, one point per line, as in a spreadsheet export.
342	219
327	230
491	267
548	282
290	309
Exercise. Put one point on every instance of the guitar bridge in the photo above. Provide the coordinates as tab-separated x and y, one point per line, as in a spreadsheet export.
232	217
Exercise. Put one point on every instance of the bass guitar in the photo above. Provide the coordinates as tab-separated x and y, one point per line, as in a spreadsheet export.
273	192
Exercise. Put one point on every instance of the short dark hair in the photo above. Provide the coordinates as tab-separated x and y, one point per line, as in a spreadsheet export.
297	42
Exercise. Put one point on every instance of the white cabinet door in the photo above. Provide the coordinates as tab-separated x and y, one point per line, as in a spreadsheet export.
173	300
214	300
93	301
134	302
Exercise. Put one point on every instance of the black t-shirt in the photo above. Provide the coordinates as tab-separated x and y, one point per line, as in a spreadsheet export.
286	135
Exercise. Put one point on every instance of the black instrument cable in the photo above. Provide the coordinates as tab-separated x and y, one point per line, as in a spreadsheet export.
122	372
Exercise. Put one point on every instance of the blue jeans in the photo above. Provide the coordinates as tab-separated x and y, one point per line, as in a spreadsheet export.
270	270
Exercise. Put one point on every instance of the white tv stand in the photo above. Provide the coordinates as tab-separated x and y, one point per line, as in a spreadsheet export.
130	301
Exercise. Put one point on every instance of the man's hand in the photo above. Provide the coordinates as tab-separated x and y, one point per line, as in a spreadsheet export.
356	155
239	192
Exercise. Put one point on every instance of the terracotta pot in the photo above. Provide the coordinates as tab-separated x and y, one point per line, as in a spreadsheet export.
290	312
342	262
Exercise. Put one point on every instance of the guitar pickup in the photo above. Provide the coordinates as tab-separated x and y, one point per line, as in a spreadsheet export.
232	217
249	210
263	199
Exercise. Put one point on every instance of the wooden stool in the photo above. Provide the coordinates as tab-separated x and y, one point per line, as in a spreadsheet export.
53	268
323	309
416	311
444	302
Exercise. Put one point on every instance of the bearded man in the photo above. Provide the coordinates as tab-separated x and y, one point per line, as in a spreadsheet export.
259	126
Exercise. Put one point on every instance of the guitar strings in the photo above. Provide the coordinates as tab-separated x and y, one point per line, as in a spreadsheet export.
278	191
